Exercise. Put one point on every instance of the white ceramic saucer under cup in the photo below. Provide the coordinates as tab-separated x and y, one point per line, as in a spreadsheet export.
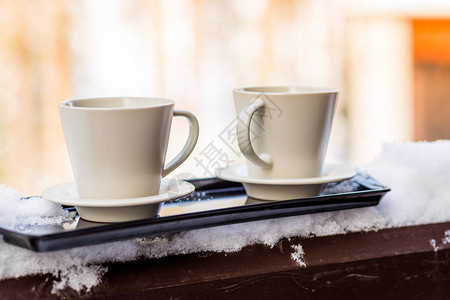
117	210
285	189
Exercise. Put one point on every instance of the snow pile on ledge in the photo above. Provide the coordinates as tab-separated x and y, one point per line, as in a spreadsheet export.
418	174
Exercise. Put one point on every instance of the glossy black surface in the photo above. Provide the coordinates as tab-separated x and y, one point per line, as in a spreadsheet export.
215	202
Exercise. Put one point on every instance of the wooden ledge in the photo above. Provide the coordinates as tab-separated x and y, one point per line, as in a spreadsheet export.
399	262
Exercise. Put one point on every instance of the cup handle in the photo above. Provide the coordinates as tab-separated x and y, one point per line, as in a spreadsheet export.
190	143
243	134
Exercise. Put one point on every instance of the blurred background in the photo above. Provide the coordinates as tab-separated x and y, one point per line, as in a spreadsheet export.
389	59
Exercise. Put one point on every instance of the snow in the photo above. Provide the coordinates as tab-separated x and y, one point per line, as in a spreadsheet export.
298	254
434	245
417	173
446	238
18	213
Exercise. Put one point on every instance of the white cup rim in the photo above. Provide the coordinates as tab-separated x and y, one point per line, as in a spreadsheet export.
152	102
284	90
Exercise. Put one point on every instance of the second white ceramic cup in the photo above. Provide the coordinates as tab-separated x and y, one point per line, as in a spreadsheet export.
117	145
283	131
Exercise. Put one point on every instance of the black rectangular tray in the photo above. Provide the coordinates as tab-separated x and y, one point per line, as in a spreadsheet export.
234	207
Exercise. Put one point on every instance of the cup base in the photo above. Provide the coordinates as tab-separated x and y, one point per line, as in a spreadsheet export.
121	214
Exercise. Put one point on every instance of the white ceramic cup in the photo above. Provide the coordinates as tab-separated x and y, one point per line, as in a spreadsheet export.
117	146
283	131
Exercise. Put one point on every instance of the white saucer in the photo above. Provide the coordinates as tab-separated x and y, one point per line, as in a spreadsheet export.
285	189
117	210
